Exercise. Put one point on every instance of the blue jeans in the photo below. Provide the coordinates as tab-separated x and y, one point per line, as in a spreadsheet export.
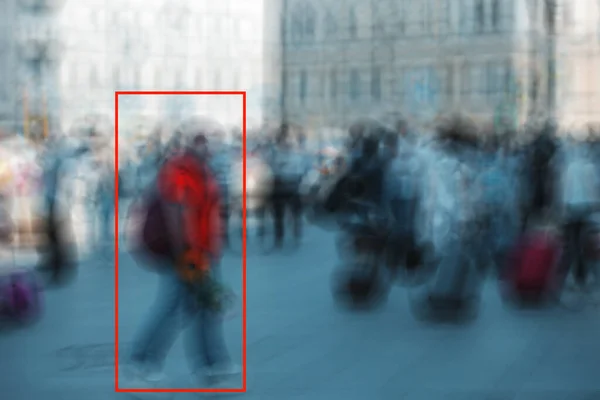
174	308
102	227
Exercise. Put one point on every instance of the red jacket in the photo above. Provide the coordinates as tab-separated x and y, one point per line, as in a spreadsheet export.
189	181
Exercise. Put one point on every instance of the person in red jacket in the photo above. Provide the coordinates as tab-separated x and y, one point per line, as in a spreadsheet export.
192	200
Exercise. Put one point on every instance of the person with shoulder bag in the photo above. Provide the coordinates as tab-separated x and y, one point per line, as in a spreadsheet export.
179	236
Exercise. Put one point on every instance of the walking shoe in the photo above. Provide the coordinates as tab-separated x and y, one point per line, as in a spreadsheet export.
137	377
218	373
224	370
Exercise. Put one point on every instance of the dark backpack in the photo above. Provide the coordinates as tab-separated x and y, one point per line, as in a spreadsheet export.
147	229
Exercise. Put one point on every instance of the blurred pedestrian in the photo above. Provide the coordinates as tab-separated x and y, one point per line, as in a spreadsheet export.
58	260
288	168
580	198
104	201
188	199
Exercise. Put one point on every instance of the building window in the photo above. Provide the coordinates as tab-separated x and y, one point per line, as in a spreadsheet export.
115	18
432	86
398	11
376	83
550	15
296	28
496	15
444	17
65	77
354	85
94	81
157	79
424	17
466	15
217	80
465	81
479	16
236	80
198	79
199	22
330	25
303	86
492	82
378	23
117	77
322	84
479	81
284	84
219	22
567	15
94	19
333	84
137	77
448	82
353	24
137	21
178	79
310	23
236	28
509	78
74	75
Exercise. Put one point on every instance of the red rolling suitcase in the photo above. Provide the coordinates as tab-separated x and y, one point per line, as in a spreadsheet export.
533	271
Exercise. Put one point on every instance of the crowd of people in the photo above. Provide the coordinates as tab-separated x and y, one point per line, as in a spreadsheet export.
467	198
448	204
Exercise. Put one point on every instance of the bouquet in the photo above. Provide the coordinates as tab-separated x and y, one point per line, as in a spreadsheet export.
214	295
210	293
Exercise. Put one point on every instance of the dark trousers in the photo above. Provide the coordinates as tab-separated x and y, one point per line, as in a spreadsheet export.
573	256
225	222
56	257
261	213
281	203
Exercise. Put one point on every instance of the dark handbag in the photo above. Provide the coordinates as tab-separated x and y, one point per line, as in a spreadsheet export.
148	230
155	231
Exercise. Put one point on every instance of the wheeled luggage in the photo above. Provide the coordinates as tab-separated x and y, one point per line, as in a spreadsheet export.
20	295
532	274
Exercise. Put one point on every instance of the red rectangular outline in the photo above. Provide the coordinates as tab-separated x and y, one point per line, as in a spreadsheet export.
216	390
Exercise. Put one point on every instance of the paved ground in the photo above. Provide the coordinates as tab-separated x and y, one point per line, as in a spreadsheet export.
300	346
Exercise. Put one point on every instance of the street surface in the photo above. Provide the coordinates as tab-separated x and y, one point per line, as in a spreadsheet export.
300	346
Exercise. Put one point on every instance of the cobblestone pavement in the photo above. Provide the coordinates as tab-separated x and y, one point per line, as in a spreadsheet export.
300	346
